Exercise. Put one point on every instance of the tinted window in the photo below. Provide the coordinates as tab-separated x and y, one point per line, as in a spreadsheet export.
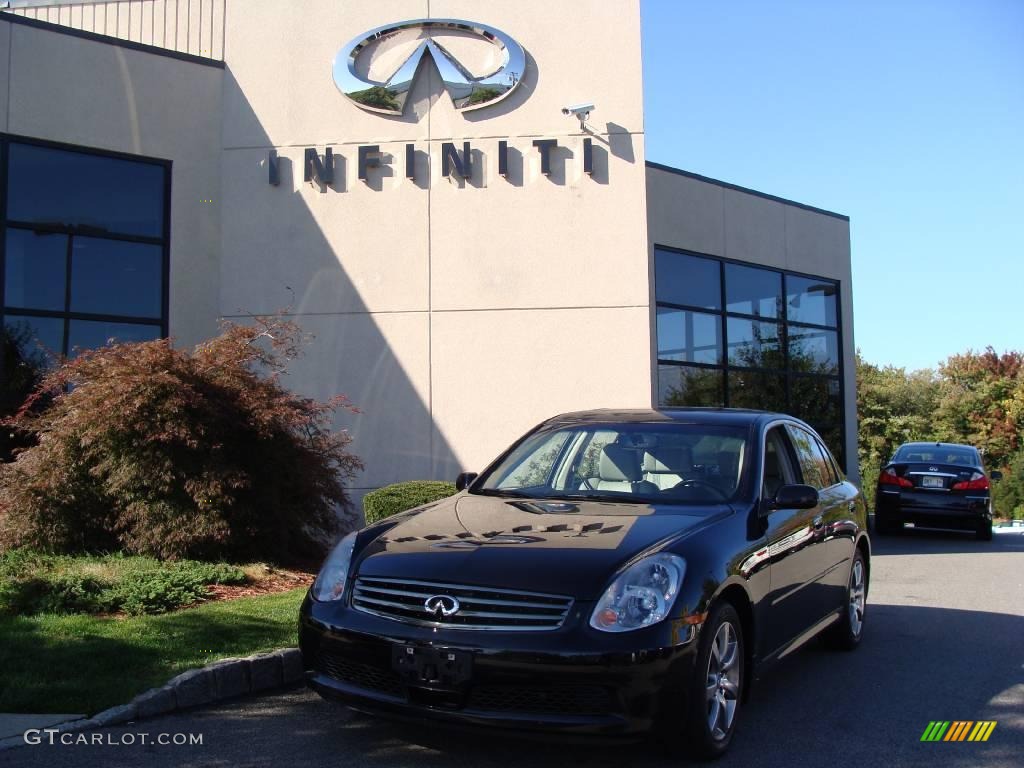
754	389
691	337
111	277
813	465
941	454
34	274
89	334
36	341
686	385
811	301
753	291
54	186
684	279
777	469
813	351
753	344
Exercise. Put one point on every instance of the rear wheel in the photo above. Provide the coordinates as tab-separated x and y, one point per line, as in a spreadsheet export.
845	634
715	690
984	532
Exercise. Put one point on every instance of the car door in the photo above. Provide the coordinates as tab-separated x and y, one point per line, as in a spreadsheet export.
793	603
833	544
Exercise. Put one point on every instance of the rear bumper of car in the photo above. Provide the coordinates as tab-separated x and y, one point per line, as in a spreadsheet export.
930	509
557	683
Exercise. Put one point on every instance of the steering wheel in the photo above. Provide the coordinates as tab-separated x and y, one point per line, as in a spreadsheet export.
695	483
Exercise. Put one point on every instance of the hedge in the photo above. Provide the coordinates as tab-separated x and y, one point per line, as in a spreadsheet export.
392	499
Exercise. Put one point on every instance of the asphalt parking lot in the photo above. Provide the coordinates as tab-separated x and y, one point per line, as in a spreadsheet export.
945	641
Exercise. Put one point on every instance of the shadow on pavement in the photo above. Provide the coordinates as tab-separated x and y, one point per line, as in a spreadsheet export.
921	541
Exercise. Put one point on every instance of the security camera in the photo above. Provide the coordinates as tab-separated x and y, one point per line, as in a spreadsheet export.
582	111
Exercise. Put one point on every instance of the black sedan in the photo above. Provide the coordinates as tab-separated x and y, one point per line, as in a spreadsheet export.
935	485
613	573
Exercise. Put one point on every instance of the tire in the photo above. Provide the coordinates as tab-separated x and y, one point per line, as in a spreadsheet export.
721	660
845	634
984	532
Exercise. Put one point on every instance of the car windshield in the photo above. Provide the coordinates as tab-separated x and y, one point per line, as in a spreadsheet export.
643	463
938	454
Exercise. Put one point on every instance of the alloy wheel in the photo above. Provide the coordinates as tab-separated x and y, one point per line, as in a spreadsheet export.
856	606
723	681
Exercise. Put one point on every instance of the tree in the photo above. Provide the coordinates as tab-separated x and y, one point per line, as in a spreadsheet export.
204	454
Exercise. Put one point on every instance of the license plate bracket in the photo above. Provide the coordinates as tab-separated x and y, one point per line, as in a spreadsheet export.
425	665
931	482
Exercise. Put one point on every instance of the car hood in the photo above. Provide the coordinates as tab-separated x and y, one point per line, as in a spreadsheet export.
569	548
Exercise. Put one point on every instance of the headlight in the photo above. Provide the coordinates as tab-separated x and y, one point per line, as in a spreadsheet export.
642	595
330	582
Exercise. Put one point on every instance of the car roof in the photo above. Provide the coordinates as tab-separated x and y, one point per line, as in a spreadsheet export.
725	416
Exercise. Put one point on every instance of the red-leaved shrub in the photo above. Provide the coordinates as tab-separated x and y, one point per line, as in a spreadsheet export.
204	454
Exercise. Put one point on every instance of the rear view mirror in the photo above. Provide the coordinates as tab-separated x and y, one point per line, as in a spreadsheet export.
795	497
463	481
995	475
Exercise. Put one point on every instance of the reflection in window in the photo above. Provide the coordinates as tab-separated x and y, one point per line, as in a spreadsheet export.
813	351
757	390
753	291
683	385
690	337
85	243
811	301
753	344
689	280
32	341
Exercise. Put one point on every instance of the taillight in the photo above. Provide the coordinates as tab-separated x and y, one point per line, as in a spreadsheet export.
978	482
889	477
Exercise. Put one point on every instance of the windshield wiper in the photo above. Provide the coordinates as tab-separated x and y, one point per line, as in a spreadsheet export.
505	494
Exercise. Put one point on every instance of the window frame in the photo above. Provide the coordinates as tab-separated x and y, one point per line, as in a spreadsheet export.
723	314
71	232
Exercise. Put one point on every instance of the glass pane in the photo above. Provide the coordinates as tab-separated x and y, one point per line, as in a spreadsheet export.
813	351
811	300
685	385
816	400
36	270
90	334
761	391
812	463
35	342
74	188
112	277
753	291
753	344
691	337
690	280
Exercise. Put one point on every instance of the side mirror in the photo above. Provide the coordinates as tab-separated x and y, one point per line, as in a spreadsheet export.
794	497
463	481
995	475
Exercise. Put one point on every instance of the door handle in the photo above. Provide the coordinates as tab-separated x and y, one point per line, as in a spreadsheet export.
819	523
852	506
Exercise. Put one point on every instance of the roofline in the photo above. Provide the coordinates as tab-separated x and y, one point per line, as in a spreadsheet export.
747	190
15	18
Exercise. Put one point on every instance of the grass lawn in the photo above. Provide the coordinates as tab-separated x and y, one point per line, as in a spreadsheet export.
85	664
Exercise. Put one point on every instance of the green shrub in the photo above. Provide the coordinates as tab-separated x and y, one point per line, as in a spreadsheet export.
32	583
173	453
392	499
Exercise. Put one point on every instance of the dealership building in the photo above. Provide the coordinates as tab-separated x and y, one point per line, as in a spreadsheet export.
401	176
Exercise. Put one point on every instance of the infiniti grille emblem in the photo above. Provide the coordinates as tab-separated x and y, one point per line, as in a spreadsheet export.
467	92
441	606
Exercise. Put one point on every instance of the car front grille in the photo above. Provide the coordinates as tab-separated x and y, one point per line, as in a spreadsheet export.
481	608
553	700
360	674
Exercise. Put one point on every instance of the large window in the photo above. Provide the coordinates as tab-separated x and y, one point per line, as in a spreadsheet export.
83	249
749	337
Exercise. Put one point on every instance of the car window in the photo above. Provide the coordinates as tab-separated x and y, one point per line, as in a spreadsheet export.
831	464
812	463
778	470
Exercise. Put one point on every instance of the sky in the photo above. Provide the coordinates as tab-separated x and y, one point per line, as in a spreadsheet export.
905	115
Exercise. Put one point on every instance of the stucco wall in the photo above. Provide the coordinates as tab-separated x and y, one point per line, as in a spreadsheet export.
714	219
455	314
69	89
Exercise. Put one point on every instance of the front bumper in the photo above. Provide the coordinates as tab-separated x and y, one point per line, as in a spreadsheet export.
932	509
574	680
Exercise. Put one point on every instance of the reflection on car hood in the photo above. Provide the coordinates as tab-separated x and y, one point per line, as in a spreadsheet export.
569	548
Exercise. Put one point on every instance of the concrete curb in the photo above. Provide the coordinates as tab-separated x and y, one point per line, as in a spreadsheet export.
224	679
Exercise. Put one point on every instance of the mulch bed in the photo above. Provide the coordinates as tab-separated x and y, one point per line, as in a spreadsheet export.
278	580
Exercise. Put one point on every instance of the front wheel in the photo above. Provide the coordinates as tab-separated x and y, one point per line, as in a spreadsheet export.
846	633
715	690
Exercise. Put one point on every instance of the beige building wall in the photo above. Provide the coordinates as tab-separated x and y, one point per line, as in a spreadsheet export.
712	218
455	314
70	89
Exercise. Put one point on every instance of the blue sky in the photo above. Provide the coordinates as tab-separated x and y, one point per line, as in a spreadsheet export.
907	116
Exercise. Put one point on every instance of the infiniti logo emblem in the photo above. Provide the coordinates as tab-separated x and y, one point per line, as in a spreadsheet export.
467	92
441	605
